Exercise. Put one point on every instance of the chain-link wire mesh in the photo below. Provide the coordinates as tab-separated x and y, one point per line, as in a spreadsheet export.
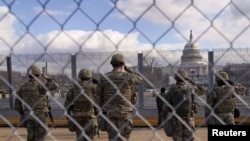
61	53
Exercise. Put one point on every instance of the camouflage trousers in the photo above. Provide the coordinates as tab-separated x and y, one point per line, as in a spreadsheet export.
86	129
36	131
183	130
227	118
123	126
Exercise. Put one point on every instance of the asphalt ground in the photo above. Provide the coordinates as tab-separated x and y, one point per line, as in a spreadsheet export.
63	134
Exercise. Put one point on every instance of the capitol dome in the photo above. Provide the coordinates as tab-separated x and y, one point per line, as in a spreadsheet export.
191	53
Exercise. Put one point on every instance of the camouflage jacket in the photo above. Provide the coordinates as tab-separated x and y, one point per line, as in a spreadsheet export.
32	96
114	92
80	99
221	99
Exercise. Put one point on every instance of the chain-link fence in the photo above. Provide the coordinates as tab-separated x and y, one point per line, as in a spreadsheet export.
62	53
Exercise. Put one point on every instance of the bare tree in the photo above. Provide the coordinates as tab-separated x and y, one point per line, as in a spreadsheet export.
153	72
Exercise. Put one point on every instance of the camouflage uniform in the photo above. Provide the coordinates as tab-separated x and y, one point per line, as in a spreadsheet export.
183	129
221	99
32	97
81	99
114	97
160	103
64	90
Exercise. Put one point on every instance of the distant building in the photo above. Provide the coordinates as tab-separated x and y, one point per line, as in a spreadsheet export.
192	61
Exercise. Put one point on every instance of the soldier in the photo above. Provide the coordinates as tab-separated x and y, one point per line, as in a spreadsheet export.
159	103
180	98
221	100
32	103
64	90
80	100
114	97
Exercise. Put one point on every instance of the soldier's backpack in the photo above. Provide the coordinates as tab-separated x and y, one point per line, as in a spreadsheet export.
169	126
71	125
182	99
102	123
82	96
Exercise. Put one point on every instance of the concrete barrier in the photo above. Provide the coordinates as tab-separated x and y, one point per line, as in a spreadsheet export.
143	116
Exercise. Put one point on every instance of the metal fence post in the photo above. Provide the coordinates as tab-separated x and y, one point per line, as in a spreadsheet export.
73	66
9	69
210	71
141	86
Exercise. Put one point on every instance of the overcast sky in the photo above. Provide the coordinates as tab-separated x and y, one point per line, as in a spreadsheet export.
102	25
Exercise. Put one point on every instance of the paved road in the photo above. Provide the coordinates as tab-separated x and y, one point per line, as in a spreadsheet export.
62	134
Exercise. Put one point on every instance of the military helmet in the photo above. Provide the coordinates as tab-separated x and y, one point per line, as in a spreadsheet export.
117	58
181	74
85	73
222	76
34	70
